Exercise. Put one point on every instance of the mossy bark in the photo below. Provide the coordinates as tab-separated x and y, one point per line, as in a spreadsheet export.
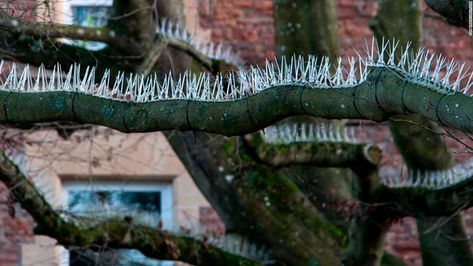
293	227
113	232
329	189
418	140
444	241
366	240
306	27
265	206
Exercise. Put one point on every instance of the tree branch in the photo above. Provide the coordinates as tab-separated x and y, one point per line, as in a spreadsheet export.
249	114
114	233
419	202
454	11
265	205
103	34
44	31
325	154
151	57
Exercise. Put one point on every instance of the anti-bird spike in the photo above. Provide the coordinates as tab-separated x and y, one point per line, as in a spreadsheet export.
283	134
420	68
172	30
432	180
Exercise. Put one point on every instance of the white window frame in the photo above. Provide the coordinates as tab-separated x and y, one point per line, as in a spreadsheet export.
165	188
68	4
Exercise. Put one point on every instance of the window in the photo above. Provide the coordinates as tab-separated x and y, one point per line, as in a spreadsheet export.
89	16
149	203
87	13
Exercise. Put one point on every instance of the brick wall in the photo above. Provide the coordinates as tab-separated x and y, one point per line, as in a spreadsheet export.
246	25
15	229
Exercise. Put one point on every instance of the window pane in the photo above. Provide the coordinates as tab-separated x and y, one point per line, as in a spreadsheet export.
81	201
90	16
140	203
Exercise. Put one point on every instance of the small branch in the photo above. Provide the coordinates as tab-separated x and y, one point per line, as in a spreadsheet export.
113	233
454	11
44	31
211	65
152	56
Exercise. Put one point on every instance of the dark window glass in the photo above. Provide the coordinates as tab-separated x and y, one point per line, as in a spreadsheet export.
87	202
90	16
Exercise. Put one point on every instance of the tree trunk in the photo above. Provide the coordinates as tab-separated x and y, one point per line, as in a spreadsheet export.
418	140
305	27
444	241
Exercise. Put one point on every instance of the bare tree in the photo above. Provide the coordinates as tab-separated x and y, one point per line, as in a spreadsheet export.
246	176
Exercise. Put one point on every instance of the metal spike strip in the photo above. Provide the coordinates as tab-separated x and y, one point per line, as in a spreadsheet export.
172	30
136	88
308	132
433	180
422	67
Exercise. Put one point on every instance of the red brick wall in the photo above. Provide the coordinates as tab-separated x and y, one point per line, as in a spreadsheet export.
13	230
24	9
246	25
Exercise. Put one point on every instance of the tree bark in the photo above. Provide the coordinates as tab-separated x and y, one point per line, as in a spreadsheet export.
454	11
306	27
113	232
416	137
444	241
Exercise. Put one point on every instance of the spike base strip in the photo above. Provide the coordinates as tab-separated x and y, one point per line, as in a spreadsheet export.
236	117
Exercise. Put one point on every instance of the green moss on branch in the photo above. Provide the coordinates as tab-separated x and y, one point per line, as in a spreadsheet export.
113	233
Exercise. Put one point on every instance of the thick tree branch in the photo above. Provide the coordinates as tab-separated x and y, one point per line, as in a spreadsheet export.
395	95
113	233
324	154
249	193
418	202
44	30
421	148
454	11
444	241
